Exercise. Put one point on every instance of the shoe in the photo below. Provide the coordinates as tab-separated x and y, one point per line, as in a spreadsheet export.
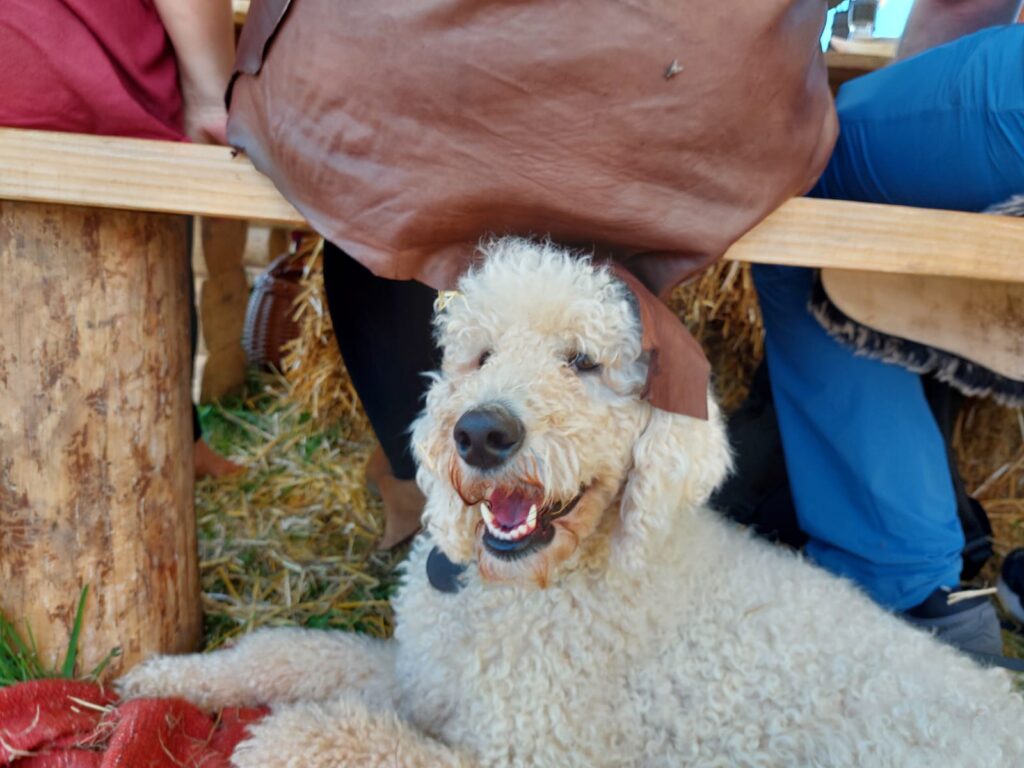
1010	588
403	501
970	624
209	463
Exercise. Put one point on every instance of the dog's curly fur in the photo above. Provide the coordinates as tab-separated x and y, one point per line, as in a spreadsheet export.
648	632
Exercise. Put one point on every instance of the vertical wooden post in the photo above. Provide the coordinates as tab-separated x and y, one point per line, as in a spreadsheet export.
223	298
96	479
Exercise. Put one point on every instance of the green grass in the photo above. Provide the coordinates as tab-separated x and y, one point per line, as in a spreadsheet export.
291	541
19	656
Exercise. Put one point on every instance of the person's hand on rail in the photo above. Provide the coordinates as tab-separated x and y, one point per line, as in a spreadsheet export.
202	32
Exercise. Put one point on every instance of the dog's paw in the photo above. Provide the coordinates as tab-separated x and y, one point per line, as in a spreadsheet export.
193	677
298	736
157	677
339	733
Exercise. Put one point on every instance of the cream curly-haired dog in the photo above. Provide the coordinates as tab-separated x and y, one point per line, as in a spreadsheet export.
606	617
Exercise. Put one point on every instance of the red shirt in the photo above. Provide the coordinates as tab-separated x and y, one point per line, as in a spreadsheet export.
88	66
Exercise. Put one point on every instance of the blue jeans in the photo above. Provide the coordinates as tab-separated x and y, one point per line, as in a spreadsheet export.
866	461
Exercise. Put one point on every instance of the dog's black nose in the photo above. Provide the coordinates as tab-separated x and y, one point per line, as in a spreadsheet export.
488	437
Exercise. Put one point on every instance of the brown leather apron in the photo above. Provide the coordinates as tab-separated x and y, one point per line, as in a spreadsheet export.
656	131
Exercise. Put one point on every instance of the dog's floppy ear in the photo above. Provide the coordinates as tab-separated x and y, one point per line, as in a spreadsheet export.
678	461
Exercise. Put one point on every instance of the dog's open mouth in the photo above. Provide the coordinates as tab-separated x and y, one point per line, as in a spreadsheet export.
516	522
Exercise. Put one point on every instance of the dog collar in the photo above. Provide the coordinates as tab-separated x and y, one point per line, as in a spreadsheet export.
443	574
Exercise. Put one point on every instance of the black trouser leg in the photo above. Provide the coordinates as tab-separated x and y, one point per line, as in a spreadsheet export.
945	403
385	337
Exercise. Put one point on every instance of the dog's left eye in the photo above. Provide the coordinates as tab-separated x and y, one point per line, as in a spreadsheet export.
582	363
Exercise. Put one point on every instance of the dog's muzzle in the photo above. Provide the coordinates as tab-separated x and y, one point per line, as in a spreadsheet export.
515	523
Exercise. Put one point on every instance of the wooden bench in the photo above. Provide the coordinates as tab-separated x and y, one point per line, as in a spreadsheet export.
95	438
846	66
848	59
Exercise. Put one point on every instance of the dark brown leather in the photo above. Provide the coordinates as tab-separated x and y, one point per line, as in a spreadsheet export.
678	372
655	130
261	22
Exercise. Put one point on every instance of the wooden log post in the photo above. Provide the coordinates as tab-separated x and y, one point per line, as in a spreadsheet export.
96	479
223	298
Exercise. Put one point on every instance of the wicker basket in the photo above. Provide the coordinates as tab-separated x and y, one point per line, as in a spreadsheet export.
268	318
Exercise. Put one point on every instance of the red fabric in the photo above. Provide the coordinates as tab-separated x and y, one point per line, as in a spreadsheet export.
88	66
153	733
43	724
234	727
63	758
44	713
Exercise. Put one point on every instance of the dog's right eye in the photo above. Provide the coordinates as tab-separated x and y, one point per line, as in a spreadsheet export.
582	363
484	357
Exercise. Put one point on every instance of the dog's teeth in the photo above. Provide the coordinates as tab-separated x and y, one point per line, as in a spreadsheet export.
487	515
522	530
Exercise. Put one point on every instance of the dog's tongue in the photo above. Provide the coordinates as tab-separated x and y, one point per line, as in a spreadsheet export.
512	508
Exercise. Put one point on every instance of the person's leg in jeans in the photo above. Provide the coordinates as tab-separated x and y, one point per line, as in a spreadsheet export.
867	466
385	336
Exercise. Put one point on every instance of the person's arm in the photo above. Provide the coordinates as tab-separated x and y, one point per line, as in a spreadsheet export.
203	35
934	22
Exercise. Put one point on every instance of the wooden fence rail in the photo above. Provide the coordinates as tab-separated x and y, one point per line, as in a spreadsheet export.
165	177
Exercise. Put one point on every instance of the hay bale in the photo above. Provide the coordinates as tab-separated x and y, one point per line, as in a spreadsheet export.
312	365
721	310
989	443
293	539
